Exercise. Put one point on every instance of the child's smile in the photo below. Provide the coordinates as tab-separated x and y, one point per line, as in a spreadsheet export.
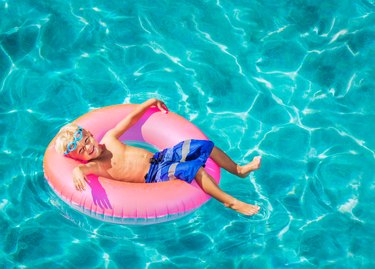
87	149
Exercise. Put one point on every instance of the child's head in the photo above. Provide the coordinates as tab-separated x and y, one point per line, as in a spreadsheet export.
75	142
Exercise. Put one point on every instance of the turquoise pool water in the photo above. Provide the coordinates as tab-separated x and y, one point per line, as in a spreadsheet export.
292	81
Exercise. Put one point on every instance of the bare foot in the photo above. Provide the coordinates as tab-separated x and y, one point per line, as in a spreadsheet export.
244	171
243	208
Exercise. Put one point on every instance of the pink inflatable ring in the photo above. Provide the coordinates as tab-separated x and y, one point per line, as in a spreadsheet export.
123	202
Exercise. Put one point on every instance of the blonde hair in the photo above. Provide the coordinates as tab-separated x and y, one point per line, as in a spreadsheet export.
64	137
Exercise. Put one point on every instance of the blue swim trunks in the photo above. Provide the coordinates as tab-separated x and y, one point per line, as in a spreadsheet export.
179	162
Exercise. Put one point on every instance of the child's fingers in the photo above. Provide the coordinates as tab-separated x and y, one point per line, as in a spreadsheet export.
79	184
82	185
162	107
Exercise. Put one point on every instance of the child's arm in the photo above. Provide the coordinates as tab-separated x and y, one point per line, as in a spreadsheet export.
80	172
134	116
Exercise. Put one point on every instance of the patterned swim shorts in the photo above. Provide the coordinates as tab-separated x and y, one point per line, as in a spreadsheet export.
179	162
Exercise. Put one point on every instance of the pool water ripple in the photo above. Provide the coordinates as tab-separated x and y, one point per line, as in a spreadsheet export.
289	80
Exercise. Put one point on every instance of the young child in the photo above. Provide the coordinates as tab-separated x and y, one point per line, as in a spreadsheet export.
185	161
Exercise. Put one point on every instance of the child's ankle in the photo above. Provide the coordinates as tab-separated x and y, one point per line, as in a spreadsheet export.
240	172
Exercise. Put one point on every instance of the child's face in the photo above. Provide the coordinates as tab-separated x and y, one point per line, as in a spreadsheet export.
87	148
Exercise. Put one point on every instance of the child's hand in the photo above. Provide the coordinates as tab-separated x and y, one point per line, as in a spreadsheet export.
79	179
162	107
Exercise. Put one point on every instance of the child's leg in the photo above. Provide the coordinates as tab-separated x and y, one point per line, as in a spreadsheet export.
208	184
224	161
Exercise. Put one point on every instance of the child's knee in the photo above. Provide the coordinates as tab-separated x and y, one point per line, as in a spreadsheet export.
201	172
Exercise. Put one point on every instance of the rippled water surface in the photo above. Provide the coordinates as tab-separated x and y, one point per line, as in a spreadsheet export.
292	81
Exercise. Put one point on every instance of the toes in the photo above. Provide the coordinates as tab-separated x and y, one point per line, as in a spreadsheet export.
257	160
254	210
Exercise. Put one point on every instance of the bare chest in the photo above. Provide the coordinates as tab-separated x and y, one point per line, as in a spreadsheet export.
127	165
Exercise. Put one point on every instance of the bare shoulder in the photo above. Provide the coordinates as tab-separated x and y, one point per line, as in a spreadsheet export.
112	142
108	137
91	167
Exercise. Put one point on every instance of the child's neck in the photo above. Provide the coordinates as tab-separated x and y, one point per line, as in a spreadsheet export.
104	153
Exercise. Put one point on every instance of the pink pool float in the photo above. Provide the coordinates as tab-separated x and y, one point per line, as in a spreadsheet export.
123	202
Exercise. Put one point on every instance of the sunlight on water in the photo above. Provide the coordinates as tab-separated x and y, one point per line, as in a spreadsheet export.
292	81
